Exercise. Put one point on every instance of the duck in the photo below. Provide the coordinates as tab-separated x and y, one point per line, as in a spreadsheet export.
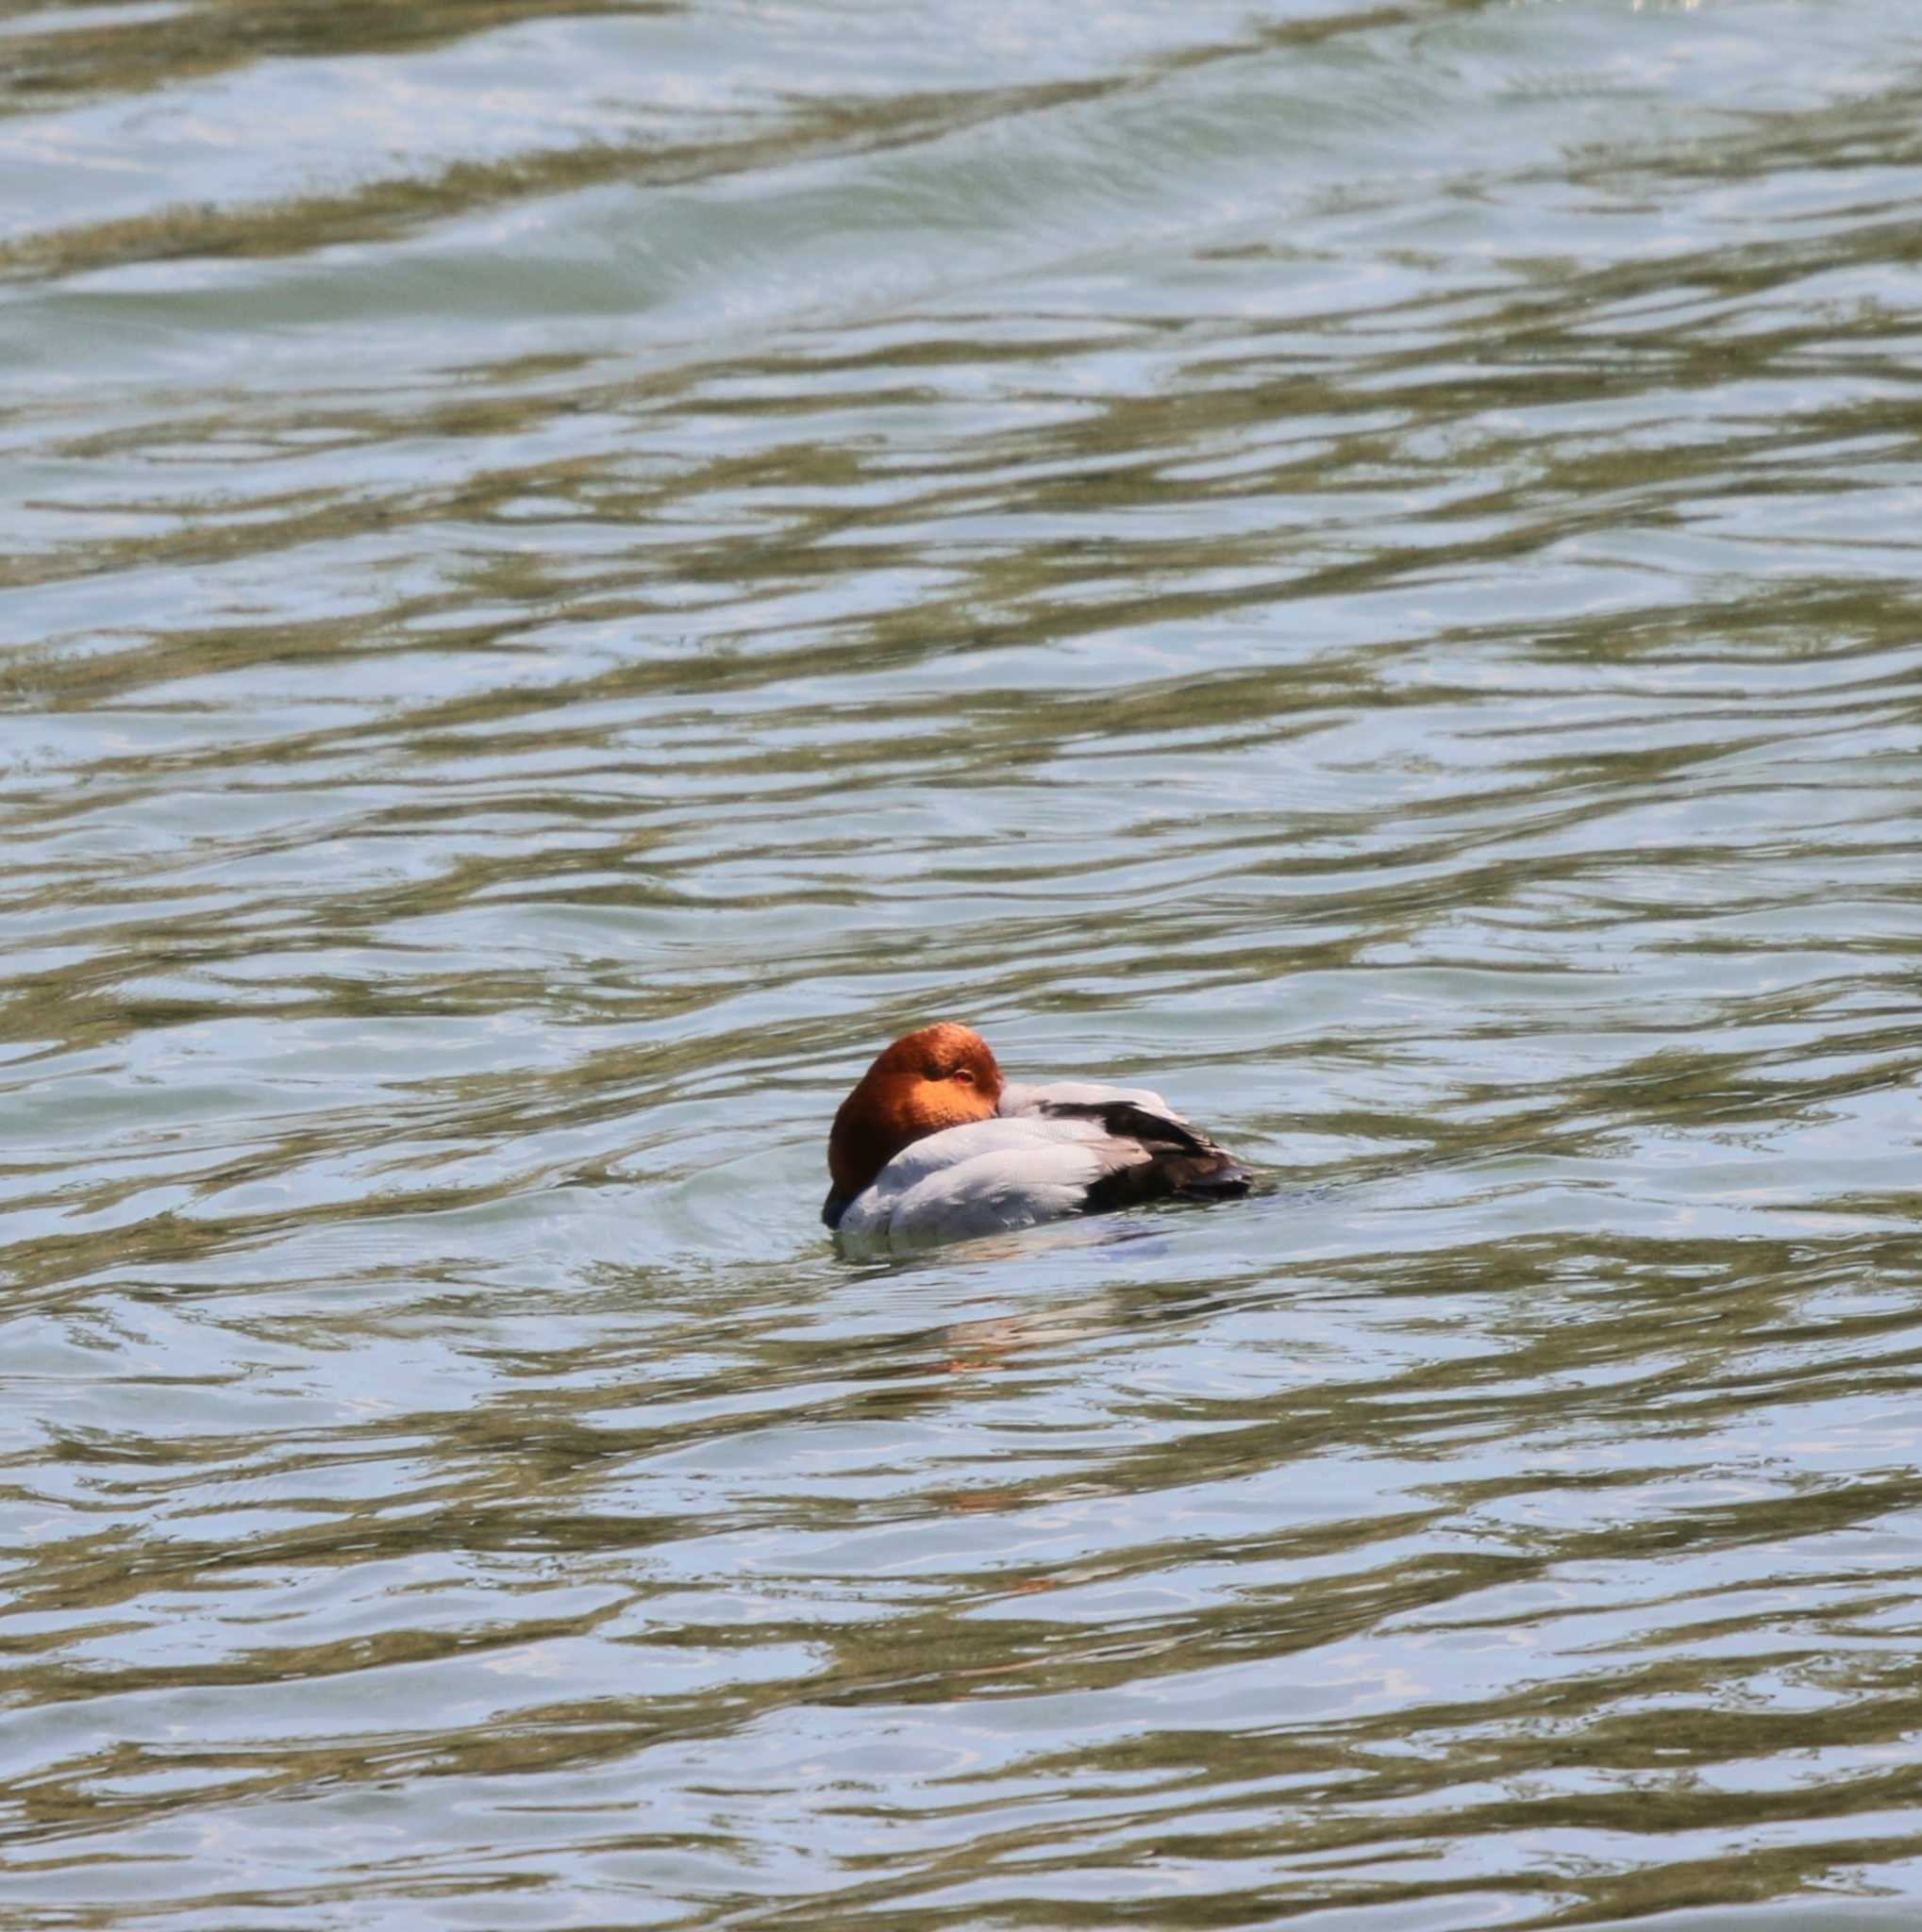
933	1145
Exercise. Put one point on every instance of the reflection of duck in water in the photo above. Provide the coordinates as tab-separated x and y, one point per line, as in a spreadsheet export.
934	1146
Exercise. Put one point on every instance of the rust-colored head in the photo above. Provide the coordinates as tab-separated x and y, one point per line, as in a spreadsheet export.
941	1076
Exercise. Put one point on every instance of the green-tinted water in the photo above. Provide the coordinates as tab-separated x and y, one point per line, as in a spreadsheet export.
572	569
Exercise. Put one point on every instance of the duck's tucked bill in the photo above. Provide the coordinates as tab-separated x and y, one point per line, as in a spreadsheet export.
933	1145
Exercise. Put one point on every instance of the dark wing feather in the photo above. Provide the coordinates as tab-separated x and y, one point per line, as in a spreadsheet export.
1177	1160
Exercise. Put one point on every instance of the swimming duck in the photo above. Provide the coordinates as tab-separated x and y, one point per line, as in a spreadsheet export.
933	1145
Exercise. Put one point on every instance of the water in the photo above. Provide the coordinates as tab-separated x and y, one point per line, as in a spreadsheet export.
568	571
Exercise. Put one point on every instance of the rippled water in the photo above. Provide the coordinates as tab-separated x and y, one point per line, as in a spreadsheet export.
570	570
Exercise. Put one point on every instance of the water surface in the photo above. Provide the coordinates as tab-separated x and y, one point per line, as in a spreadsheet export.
568	571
